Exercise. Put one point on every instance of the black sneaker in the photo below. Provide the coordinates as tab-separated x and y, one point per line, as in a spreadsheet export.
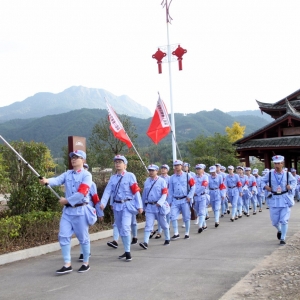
279	235
232	219
186	237
175	237
81	257
207	218
64	270
248	215
200	230
228	211
113	244
267	207
217	224
250	207
122	256
204	228
134	241
83	268
128	256
240	216
152	233
222	216
144	245
236	218
166	243
282	242
254	212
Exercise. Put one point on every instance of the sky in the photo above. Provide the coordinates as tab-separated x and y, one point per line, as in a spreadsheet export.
237	50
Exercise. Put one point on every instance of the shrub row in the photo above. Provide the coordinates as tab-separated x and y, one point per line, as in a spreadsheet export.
40	228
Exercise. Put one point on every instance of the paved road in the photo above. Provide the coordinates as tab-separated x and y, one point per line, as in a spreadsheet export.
203	267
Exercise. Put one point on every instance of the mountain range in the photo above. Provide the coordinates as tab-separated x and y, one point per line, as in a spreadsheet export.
51	118
75	97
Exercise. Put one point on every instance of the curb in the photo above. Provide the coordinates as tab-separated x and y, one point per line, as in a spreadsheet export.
44	249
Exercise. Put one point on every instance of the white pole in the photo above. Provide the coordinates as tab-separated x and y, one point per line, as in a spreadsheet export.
171	96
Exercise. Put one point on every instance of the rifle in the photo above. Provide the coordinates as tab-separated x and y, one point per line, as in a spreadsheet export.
29	166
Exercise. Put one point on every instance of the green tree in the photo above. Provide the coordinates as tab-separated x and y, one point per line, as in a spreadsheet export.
4	179
26	193
213	149
103	146
235	132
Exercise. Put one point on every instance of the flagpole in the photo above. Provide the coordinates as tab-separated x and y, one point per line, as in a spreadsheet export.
173	136
170	86
120	124
137	153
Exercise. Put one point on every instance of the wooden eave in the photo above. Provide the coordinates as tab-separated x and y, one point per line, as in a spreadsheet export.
275	123
277	109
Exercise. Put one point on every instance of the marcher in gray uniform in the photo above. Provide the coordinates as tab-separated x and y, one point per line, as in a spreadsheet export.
252	189
164	169
94	202
297	190
77	215
282	186
260	191
234	190
217	192
244	200
126	201
201	195
226	207
155	205
180	197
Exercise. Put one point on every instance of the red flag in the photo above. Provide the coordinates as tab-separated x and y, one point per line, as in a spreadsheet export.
160	124
116	126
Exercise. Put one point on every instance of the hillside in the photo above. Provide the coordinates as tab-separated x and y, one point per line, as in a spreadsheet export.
54	130
256	113
76	97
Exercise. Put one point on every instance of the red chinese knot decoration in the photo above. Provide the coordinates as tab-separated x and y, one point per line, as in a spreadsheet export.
159	55
179	52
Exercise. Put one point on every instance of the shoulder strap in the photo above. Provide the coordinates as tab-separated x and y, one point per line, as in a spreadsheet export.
270	179
151	188
117	186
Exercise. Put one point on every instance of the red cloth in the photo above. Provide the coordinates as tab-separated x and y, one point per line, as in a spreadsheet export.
135	188
160	124
83	189
222	186
191	181
95	199
116	127
204	183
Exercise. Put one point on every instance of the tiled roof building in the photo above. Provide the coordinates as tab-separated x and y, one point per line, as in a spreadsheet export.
282	136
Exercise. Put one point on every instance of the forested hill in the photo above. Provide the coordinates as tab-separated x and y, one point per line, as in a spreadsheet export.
54	130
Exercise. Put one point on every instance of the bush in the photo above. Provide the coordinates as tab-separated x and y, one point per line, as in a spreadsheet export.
26	194
28	230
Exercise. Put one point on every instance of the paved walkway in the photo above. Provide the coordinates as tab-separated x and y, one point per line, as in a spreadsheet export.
204	267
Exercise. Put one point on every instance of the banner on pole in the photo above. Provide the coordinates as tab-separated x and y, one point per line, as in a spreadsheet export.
160	125
116	126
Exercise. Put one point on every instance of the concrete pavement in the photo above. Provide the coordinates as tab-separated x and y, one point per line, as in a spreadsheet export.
204	267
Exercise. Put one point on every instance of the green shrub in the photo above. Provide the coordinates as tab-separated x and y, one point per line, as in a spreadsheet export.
28	230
